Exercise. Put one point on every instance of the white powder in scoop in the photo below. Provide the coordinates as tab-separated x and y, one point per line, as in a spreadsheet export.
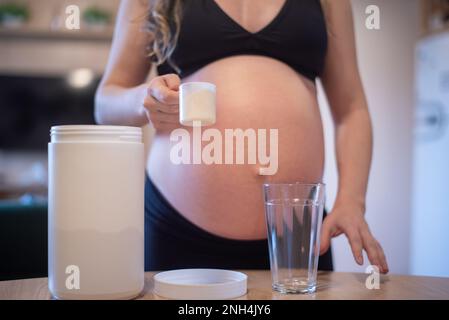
197	105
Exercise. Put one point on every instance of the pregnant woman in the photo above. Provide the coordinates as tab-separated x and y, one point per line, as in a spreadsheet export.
264	58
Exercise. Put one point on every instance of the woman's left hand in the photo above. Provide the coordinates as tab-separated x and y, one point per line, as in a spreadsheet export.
349	219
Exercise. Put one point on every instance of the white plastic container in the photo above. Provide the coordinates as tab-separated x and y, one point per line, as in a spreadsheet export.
197	103
95	212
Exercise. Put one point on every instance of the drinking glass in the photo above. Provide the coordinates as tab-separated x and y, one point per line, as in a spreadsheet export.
294	213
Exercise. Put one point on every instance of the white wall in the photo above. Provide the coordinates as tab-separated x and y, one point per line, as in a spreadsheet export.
386	61
430	222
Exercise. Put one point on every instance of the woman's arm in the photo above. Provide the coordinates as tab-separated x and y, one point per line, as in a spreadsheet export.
353	134
121	93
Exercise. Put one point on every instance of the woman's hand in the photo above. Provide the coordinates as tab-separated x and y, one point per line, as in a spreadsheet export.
162	102
349	219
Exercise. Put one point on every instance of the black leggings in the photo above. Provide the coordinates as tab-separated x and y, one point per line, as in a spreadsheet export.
173	242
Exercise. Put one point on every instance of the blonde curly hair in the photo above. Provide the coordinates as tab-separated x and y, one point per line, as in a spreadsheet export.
164	23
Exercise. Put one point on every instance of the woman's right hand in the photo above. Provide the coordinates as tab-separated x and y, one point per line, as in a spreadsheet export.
162	102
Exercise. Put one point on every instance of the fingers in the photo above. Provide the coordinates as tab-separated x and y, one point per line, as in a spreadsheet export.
359	237
164	89
162	102
158	113
329	230
325	235
172	81
355	241
383	259
152	105
374	250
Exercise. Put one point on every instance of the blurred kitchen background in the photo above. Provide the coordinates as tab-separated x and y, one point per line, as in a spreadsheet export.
48	76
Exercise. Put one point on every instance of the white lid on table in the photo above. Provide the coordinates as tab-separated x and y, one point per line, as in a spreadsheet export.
200	284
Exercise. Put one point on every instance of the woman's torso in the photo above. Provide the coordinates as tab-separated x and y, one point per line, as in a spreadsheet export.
254	91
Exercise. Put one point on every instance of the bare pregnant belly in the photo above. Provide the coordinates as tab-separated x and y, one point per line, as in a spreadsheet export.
253	92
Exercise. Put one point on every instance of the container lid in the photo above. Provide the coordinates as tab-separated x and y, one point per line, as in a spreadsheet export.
200	284
95	133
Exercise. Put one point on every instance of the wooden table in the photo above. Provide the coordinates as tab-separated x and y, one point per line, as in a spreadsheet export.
331	285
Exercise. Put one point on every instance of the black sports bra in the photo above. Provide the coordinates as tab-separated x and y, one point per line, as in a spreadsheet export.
296	36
